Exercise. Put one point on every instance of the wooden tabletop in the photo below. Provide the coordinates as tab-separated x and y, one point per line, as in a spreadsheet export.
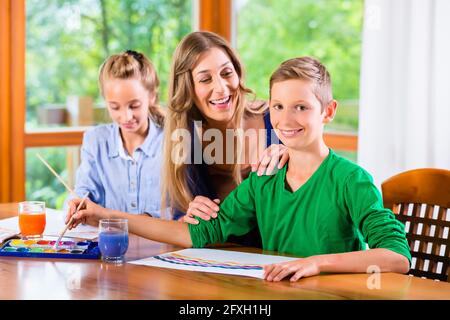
26	278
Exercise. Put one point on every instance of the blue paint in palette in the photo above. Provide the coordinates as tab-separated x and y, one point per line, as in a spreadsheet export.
113	243
44	249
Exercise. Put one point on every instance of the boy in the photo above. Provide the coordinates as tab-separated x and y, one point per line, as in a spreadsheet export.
319	206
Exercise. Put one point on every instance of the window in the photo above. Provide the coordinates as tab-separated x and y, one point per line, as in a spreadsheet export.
66	42
329	30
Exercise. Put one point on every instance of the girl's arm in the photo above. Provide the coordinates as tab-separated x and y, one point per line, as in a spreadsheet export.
382	260
167	231
172	232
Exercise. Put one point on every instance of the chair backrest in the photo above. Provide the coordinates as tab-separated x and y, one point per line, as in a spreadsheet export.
421	200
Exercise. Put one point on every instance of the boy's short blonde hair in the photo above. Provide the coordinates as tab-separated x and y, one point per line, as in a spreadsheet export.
309	69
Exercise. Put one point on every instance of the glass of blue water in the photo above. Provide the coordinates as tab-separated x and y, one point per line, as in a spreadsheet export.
113	240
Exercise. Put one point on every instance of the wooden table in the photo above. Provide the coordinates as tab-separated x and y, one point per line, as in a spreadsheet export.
24	278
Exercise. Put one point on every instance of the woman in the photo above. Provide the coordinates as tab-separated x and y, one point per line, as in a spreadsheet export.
207	93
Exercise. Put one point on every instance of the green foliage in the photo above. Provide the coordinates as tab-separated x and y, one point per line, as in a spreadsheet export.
67	41
41	184
271	31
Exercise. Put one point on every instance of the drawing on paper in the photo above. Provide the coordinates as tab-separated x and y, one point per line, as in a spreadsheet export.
176	258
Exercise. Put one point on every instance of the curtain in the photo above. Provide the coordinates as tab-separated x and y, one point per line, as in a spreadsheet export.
404	119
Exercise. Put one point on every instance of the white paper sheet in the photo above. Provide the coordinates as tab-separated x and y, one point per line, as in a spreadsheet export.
212	260
53	226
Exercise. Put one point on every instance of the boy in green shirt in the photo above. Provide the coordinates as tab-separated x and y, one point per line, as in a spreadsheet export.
319	206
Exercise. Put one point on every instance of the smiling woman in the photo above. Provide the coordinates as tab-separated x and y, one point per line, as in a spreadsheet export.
215	84
207	91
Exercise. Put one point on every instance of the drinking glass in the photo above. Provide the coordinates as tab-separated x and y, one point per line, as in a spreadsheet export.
31	219
113	239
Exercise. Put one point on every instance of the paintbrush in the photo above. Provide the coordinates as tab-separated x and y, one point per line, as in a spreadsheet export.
68	189
70	221
54	172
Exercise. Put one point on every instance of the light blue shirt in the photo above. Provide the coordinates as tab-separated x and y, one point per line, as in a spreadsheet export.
116	180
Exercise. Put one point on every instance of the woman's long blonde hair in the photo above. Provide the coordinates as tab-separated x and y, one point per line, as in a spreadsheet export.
182	110
133	65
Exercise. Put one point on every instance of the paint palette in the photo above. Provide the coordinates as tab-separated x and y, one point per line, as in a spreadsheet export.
45	249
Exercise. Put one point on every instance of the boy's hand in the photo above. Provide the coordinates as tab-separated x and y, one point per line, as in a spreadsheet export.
201	207
273	155
299	268
90	213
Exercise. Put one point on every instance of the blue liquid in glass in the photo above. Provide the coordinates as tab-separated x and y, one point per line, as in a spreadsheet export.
113	244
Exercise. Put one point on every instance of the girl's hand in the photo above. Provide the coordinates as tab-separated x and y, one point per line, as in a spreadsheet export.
298	268
201	207
90	213
273	155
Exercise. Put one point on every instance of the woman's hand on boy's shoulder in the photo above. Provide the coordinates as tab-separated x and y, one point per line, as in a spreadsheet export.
276	155
201	207
300	268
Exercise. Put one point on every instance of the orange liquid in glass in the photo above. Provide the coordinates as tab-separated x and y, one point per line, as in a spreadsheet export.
31	224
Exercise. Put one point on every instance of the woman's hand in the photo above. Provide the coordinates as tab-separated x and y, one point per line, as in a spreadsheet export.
299	268
273	155
90	213
203	208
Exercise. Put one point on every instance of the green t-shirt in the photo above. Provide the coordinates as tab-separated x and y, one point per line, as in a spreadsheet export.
338	209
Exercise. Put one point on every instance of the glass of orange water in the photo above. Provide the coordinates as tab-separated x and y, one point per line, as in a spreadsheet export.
32	219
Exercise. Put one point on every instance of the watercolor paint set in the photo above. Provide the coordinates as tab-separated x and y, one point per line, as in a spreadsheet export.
45	249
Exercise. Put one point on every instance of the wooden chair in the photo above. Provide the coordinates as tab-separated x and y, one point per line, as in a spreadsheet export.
421	200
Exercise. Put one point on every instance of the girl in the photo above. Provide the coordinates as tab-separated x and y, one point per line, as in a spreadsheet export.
120	162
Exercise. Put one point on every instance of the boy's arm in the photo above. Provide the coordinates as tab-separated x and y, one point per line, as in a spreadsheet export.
377	224
237	216
385	235
366	261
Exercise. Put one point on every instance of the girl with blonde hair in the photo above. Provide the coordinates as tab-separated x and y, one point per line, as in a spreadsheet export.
120	161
